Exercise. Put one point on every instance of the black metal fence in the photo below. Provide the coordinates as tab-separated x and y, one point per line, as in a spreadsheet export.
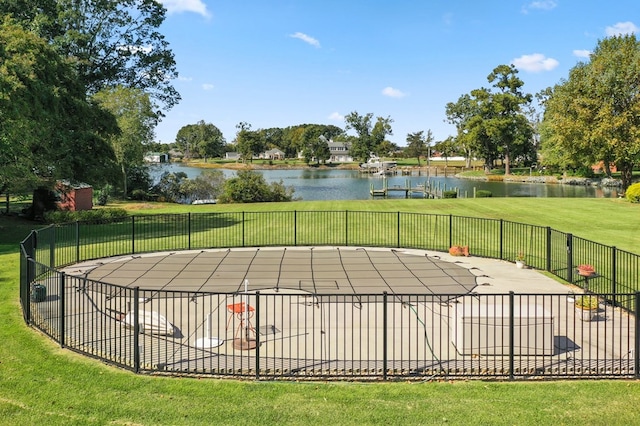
322	335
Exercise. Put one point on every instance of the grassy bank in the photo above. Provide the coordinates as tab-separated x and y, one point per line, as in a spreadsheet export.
43	384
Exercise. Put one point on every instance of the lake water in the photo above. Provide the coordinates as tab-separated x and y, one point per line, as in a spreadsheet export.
314	184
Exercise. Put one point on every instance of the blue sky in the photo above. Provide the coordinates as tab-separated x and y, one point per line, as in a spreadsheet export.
279	63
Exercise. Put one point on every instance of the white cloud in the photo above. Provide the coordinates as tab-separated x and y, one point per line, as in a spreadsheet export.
582	53
393	93
180	6
622	28
336	116
535	63
539	5
208	86
307	39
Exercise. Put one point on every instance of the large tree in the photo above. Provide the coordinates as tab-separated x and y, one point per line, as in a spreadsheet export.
110	42
447	148
202	140
370	135
508	125
492	123
248	142
136	121
316	147
418	144
459	114
48	128
315	141
594	115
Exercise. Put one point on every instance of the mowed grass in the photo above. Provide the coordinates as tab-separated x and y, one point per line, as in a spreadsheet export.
613	222
41	383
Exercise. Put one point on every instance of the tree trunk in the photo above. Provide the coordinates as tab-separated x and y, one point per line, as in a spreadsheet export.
507	165
626	173
124	182
418	161
607	168
488	164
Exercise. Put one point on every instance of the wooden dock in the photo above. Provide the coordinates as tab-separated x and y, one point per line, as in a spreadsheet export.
423	190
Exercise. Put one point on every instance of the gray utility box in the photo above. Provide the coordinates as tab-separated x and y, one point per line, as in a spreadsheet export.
38	293
478	329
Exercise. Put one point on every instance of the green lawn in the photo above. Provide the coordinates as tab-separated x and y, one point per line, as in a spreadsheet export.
43	384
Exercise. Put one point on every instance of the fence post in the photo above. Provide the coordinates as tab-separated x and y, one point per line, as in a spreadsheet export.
189	230
136	330
384	335
133	234
501	239
61	324
450	230
511	335
27	289
52	248
242	229
614	276
398	240
636	349
295	227
346	227
570	258
257	328
77	241
548	261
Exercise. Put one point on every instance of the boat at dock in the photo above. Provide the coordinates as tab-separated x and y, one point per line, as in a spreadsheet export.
379	167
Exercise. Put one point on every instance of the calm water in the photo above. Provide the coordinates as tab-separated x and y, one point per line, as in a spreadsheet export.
312	184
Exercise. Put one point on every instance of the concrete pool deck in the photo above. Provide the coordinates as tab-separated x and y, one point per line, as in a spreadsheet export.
300	331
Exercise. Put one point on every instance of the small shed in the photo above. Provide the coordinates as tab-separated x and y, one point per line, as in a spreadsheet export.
74	196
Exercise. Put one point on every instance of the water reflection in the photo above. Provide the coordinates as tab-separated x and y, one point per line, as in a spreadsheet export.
324	184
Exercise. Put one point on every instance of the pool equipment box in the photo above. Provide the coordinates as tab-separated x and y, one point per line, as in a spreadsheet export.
38	293
478	329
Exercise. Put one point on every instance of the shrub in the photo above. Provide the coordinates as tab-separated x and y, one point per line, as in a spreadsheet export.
104	194
99	215
483	193
587	302
450	194
139	195
250	187
633	193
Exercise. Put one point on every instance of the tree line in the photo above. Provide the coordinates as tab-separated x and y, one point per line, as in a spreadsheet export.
83	85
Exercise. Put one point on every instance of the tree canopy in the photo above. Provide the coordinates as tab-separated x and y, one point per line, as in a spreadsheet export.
48	128
56	58
594	115
492	124
418	144
202	140
136	121
248	142
108	42
370	135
